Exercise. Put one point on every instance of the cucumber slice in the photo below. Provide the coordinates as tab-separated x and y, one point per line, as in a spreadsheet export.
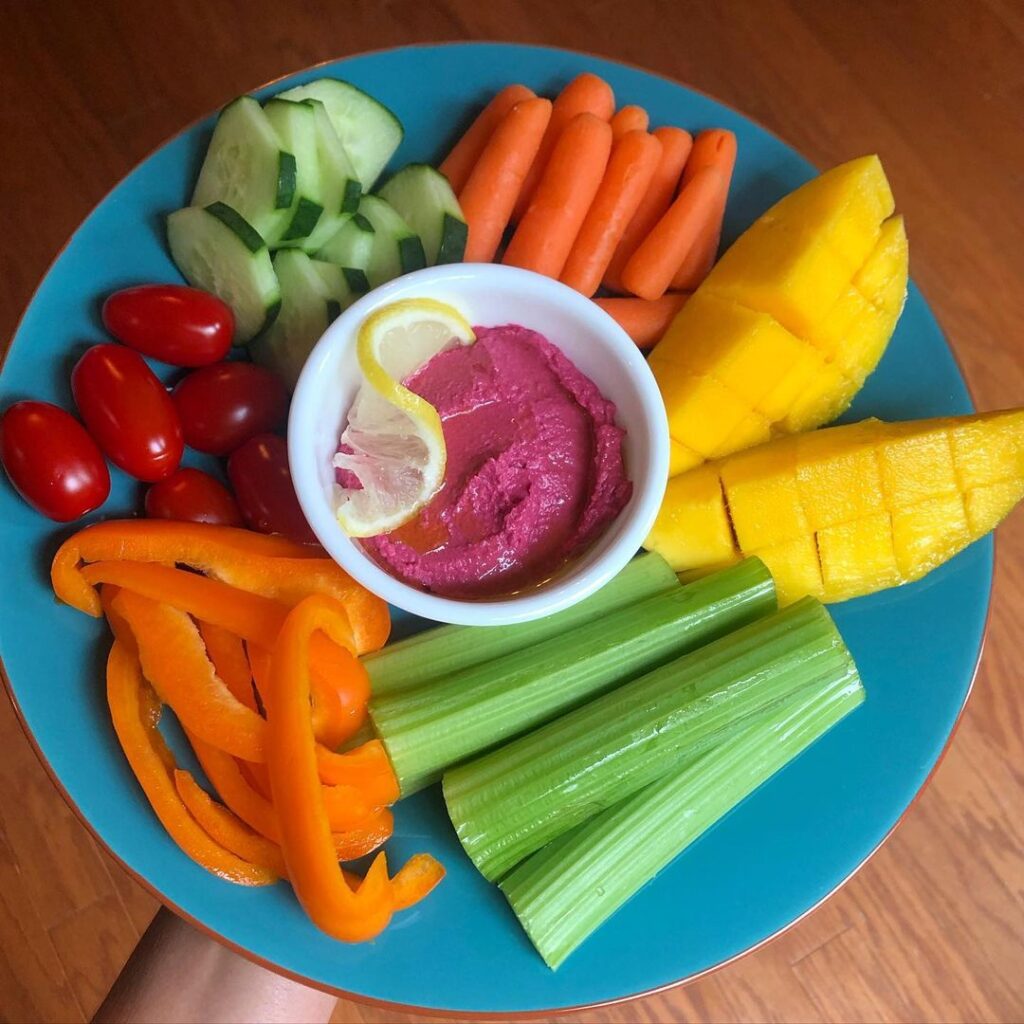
295	123
423	197
397	249
218	250
369	131
305	315
351	245
247	167
337	287
341	187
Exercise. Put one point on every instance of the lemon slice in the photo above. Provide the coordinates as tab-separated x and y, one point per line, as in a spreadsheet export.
395	445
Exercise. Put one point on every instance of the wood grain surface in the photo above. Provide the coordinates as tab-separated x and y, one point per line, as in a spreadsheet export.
932	929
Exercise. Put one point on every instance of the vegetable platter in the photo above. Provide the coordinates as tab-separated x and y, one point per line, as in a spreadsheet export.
786	848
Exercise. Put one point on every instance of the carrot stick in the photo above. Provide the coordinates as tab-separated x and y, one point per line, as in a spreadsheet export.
629	119
715	148
546	234
493	186
585	94
675	148
651	268
632	164
458	164
644	320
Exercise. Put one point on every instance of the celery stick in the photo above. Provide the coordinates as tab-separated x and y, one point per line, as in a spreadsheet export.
565	891
511	802
437	653
434	726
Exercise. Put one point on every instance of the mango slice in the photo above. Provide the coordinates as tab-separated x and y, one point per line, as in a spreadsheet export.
692	528
858	557
798	258
849	510
792	319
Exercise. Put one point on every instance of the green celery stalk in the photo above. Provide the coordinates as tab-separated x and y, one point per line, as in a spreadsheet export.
438	653
514	800
565	891
428	729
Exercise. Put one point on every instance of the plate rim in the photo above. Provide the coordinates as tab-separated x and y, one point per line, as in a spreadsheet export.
518	1015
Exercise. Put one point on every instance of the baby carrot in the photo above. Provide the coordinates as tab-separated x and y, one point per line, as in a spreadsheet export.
715	148
675	148
564	193
644	320
629	119
493	185
458	164
630	168
651	268
585	94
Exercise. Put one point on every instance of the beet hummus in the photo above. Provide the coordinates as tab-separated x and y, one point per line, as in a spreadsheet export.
534	471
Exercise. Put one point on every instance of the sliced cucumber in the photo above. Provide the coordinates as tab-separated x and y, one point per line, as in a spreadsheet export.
295	123
351	246
247	167
369	131
397	249
341	187
218	250
423	197
337	286
306	308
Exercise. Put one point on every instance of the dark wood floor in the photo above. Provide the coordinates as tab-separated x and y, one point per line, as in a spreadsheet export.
933	928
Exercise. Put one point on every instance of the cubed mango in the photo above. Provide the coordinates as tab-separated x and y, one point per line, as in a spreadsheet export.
795	567
989	448
702	413
988	506
681	458
917	466
826	395
762	496
927	534
837	474
692	529
858	557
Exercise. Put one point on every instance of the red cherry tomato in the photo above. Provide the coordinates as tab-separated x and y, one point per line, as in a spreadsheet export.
51	460
222	406
262	482
170	322
128	411
193	496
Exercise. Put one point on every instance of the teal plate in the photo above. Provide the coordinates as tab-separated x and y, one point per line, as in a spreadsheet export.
778	855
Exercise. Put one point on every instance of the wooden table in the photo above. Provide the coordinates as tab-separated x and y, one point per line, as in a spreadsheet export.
933	927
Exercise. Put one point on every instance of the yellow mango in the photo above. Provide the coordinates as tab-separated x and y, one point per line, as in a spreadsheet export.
837	474
858	557
929	533
702	413
882	279
826	395
795	568
777	403
988	506
692	529
797	259
917	466
681	458
988	448
752	430
763	497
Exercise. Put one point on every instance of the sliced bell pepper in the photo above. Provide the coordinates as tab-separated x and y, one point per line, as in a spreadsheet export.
354	823
267	566
227	652
416	878
225	828
319	884
367	768
140	742
174	660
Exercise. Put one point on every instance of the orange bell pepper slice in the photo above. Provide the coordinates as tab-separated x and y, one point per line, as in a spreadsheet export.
230	662
367	768
153	765
416	879
174	660
266	566
344	913
225	828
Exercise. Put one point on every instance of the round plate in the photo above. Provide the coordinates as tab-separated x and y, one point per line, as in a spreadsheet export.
785	849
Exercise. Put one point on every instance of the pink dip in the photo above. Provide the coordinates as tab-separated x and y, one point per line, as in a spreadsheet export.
534	472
